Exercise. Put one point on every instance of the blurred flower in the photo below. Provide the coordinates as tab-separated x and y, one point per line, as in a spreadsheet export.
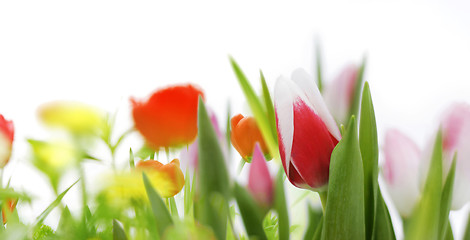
306	130
167	179
6	140
456	140
8	209
75	117
244	134
401	171
260	183
339	95
55	154
169	117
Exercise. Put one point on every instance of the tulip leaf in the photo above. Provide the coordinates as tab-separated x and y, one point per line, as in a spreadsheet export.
257	108
318	231
370	155
344	213
318	66
187	192
173	208
383	228
280	206
131	159
118	231
160	211
448	234
466	235
354	110
213	180
446	200
251	214
424	222
314	218
269	107
40	219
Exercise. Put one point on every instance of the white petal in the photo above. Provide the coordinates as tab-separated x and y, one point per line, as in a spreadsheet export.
307	84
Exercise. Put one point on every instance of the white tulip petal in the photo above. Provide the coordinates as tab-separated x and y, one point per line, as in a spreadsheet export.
307	85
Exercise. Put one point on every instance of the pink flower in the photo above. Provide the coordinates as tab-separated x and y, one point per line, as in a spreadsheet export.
6	140
339	95
306	130
456	140
401	171
260	183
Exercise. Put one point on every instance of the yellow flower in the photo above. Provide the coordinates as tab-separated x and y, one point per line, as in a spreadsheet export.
73	116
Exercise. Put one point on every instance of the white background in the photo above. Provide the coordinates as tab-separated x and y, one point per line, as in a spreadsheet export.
103	52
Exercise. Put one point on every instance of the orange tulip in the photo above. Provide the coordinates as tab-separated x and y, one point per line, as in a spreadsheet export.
168	179
10	206
169	117
244	135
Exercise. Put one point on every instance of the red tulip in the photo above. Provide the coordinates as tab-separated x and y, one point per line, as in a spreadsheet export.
6	140
169	117
244	135
307	132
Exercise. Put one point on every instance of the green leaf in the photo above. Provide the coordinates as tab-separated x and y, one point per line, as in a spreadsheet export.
269	107
131	159
344	213
173	208
314	218
354	110
318	67
449	235
466	235
383	227
213	177
40	219
370	154
446	200
118	231
424	222
159	209
280	206
318	231
187	192
250	212
66	222
257	109
227	128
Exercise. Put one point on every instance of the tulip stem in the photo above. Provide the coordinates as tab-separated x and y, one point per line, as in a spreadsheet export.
323	198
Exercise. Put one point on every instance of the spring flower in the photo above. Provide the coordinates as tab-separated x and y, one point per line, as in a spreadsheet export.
75	117
260	183
6	140
306	130
8	209
169	117
401	171
167	179
455	126
339	95
244	134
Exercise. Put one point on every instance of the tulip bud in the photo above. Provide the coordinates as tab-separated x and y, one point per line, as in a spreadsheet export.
260	183
306	130
168	179
401	171
169	117
339	96
9	207
6	140
456	140
244	134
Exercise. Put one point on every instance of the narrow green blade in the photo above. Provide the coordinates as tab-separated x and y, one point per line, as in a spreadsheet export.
257	109
173	208
314	218
187	192
118	231
354	110
344	213
446	200
370	155
281	206
131	159
424	222
159	209
318	66
40	219
383	227
269	107
250	212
